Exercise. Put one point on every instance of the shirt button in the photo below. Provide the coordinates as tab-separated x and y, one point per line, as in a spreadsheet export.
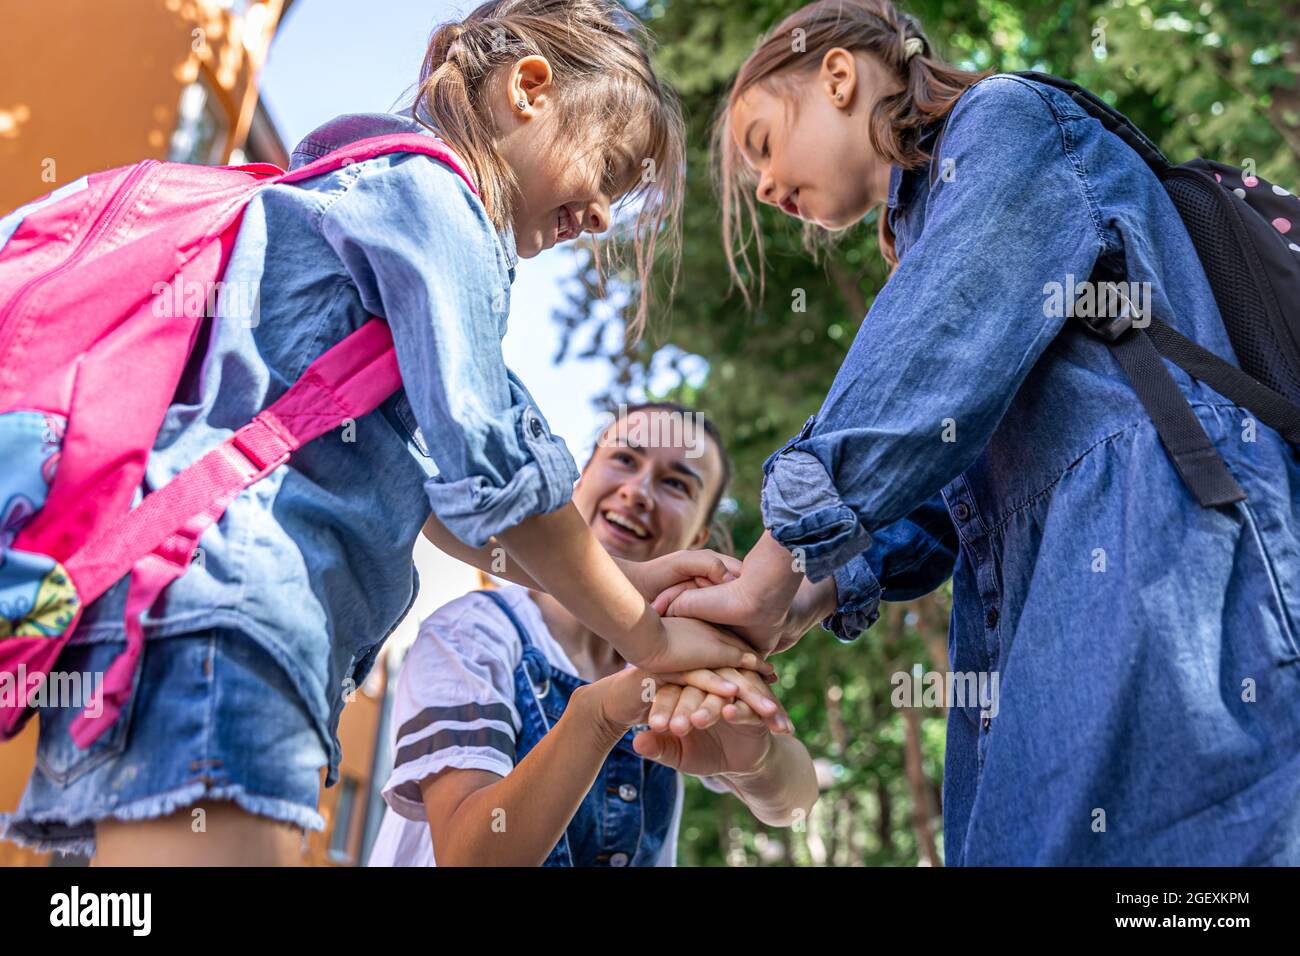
991	618
961	511
618	859
627	792
536	427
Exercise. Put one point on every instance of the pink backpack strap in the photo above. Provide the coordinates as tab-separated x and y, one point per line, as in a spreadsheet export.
155	542
364	149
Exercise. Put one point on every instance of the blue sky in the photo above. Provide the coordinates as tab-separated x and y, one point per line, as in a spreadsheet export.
331	57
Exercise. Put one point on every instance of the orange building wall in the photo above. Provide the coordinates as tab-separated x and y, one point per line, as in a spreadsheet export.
358	736
16	760
92	84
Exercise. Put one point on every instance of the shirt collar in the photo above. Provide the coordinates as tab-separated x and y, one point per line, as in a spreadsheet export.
897	174
895	179
507	237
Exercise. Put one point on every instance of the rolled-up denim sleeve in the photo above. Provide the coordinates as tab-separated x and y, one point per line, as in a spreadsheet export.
907	559
421	251
951	336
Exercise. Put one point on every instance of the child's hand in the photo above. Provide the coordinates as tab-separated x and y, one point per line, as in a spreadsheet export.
686	734
685	644
759	604
657	575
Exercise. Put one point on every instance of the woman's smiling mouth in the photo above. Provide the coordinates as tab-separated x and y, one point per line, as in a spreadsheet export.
626	524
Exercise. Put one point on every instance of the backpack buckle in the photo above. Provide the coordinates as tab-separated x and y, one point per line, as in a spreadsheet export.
1106	327
263	447
1107	305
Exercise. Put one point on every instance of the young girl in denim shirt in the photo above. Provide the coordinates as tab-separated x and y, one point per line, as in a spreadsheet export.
551	105
1146	647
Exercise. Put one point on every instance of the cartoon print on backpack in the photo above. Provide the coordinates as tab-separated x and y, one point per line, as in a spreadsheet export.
37	598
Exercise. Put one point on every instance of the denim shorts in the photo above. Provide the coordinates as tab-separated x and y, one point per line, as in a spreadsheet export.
213	717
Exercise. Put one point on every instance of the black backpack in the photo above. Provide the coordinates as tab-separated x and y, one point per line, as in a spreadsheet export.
1254	273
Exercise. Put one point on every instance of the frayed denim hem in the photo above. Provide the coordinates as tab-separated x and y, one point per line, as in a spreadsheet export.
51	831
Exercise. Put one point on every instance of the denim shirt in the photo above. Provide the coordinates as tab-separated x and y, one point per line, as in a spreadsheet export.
314	562
1148	706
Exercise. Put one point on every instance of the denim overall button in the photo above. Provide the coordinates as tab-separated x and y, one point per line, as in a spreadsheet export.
536	426
618	859
627	792
991	618
961	511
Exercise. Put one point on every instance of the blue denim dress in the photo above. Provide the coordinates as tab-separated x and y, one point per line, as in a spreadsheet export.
625	816
1145	648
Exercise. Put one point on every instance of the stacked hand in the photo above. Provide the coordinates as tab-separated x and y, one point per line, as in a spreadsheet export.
694	652
766	601
712	711
691	730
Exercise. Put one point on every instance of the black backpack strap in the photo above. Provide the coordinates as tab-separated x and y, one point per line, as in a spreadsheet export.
1197	461
1272	408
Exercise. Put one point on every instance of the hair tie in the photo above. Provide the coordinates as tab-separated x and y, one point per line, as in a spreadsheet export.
911	47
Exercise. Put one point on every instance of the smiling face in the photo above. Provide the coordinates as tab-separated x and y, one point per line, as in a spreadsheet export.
806	139
566	186
642	502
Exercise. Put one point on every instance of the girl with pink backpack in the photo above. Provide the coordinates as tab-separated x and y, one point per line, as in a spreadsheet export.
222	599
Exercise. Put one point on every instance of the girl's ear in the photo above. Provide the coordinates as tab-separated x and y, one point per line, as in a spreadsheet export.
529	85
839	76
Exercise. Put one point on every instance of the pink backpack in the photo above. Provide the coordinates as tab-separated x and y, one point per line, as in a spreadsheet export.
91	351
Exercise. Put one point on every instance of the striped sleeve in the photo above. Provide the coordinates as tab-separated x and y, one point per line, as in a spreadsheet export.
454	702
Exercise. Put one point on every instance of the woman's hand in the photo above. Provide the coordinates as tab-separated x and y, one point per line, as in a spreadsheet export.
687	734
624	699
773	775
627	698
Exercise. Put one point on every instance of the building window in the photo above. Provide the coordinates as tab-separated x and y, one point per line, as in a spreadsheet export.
201	128
342	828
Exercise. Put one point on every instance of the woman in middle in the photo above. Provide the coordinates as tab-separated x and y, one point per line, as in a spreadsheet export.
513	742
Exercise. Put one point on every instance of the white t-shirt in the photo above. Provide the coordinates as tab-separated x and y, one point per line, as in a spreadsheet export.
454	706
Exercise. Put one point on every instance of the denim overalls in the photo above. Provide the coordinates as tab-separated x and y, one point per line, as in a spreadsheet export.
625	816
